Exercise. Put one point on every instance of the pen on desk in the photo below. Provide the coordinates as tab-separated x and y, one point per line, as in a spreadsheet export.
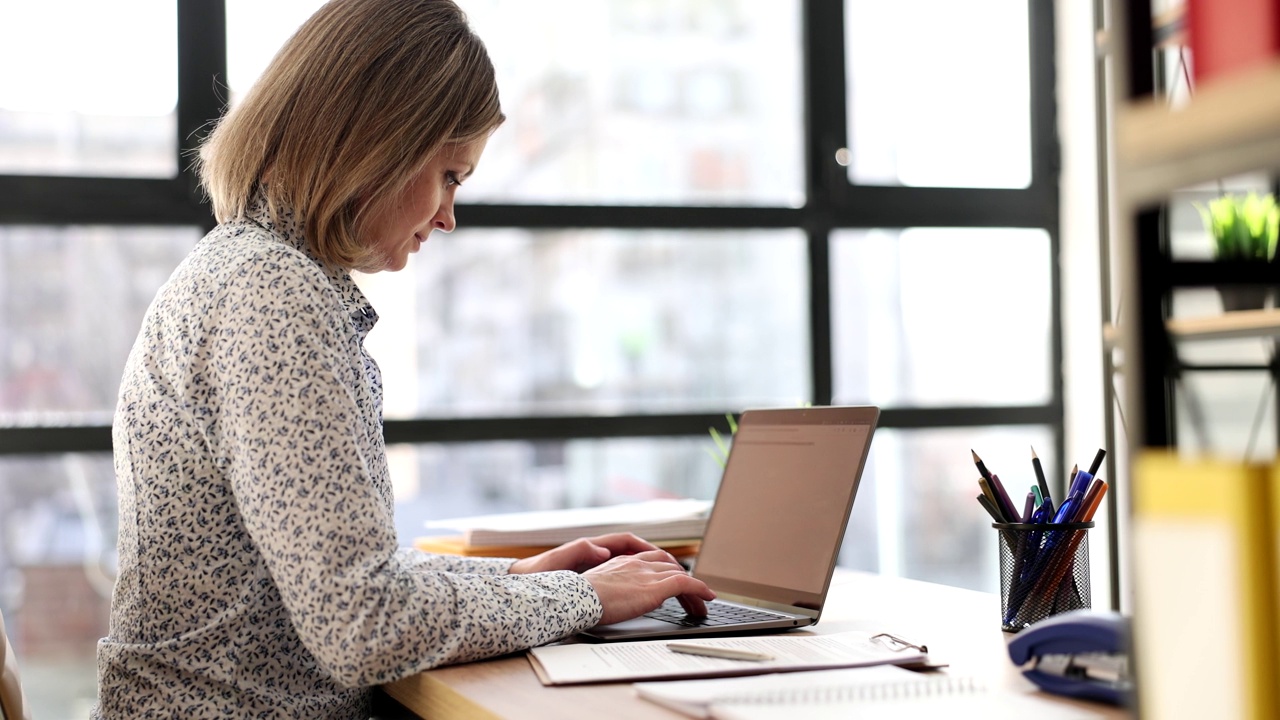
1040	481
718	652
1028	507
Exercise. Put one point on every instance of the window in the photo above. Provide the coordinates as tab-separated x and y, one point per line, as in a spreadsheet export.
512	322
661	233
90	88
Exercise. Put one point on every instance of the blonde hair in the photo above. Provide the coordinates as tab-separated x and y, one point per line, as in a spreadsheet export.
351	108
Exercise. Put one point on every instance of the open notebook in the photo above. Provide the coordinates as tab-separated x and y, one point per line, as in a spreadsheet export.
774	533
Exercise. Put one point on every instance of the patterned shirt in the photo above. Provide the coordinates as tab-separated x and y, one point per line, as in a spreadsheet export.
260	574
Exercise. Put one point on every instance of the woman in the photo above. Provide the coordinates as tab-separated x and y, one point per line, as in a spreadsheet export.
259	568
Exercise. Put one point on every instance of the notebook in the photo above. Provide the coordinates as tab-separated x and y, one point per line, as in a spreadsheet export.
774	533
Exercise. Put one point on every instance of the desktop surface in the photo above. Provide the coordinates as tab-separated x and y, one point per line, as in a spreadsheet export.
961	627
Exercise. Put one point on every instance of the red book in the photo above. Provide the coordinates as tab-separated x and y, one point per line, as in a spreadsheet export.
1226	36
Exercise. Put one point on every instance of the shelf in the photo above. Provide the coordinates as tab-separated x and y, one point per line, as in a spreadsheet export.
1231	126
1227	326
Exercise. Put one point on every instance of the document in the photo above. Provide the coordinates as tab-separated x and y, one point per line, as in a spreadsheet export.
883	692
651	520
574	663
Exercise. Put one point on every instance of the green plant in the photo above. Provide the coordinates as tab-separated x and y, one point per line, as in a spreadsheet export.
1242	228
721	450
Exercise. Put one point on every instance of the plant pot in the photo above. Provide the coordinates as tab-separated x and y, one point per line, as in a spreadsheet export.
1245	297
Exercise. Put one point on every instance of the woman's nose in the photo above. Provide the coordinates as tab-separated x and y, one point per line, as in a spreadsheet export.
444	220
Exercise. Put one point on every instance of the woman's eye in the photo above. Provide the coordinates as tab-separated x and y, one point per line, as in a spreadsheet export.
451	179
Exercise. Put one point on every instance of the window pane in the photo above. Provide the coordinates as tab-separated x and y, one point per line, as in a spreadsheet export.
434	482
73	299
644	101
941	316
508	322
57	567
946	103
916	514
255	31
90	88
621	102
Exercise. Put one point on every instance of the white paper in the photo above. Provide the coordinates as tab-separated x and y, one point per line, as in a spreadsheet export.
607	662
695	697
981	706
654	519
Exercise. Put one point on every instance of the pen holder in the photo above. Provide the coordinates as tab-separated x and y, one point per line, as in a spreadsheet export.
1044	571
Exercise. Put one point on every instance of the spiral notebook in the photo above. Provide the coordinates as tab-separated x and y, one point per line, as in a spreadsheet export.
882	692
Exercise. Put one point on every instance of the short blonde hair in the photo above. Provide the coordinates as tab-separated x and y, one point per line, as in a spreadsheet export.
351	108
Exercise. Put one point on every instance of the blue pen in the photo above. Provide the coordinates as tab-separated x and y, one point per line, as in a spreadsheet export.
1081	483
1066	510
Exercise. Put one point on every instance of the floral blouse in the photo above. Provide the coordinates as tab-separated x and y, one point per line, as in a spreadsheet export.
259	572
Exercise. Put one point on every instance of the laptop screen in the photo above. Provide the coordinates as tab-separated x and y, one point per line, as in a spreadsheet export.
780	513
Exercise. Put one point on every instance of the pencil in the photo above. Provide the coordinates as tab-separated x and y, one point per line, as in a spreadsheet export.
1040	481
994	499
982	468
1006	503
991	509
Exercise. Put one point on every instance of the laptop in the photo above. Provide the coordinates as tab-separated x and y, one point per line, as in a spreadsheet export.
774	533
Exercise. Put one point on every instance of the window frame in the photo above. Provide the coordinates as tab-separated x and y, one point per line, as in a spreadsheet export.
832	203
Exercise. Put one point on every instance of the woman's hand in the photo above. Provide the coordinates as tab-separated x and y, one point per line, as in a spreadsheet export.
632	585
630	575
584	553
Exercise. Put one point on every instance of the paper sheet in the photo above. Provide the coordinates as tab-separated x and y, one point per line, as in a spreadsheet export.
610	662
656	519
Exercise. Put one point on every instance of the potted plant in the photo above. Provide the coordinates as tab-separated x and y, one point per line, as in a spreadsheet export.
1244	229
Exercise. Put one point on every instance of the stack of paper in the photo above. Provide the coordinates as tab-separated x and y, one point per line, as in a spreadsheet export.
651	520
650	659
870	693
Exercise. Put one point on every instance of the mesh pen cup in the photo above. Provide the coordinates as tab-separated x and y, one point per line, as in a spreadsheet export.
1044	571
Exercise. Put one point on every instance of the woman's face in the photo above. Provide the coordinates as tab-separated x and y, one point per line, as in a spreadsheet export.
426	204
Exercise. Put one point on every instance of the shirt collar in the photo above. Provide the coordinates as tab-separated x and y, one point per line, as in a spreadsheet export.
287	227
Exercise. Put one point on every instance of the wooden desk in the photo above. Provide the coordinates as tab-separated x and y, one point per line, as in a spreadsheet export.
961	627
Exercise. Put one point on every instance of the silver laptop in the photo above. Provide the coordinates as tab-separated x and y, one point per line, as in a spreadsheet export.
774	532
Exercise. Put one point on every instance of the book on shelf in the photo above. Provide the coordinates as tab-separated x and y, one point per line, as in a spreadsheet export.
653	520
1228	36
1204	593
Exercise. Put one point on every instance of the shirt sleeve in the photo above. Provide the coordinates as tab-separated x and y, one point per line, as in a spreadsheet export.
293	437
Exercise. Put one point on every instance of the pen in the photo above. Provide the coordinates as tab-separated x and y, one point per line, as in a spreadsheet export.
1097	461
717	652
1028	507
1080	485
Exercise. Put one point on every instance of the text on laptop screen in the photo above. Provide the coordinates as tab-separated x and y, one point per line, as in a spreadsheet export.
781	510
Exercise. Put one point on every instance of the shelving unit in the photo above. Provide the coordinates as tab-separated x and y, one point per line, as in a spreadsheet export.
1231	126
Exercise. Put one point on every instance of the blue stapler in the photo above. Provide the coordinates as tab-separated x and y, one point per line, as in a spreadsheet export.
1082	653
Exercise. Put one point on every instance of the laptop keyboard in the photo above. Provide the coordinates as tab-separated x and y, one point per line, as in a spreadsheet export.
717	614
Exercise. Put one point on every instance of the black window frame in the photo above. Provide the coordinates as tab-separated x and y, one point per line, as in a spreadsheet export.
832	204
